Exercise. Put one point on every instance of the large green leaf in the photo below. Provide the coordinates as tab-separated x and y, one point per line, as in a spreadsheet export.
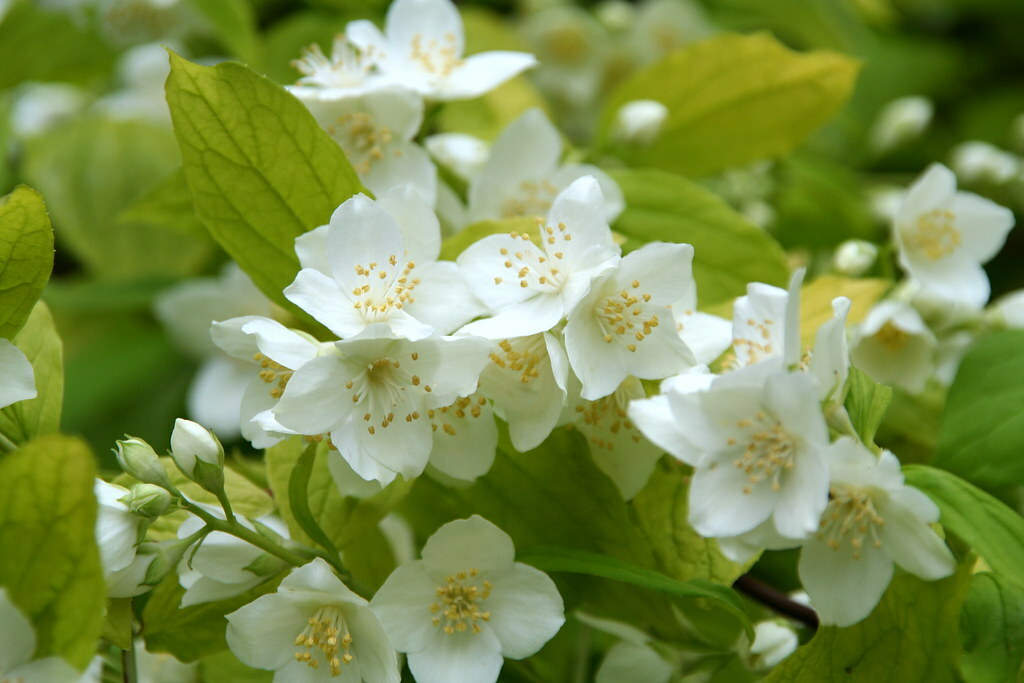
982	435
93	168
732	100
910	637
39	341
26	256
260	168
50	564
995	531
992	631
729	251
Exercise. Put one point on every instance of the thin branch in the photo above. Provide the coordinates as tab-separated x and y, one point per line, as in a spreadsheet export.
776	600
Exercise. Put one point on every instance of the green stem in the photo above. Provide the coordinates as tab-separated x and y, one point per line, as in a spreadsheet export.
129	665
222	496
235	529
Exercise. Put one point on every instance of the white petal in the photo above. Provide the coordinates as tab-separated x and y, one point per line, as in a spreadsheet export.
424	20
262	633
718	505
18	383
804	495
403	606
318	576
844	590
405	165
421	231
458	658
205	589
655	419
465	544
912	543
526	610
17	638
215	395
482	73
372	649
533	316
327	301
629	661
580	207
402	447
466	451
983	224
614	202
443	298
46	670
314	402
311	248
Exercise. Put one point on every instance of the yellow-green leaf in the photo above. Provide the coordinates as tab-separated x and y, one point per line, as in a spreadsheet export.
26	256
38	340
50	564
732	99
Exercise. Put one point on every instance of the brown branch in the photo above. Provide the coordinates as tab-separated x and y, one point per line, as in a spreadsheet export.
776	600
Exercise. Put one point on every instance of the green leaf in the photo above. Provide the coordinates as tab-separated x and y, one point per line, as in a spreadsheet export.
260	168
235	25
298	498
168	205
26	256
992	631
39	341
48	45
732	100
559	559
224	666
910	637
93	168
457	243
982	434
190	633
50	564
866	402
729	251
344	518
995	531
117	623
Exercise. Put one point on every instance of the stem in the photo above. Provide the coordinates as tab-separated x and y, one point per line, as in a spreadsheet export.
235	529
6	445
129	666
222	496
776	600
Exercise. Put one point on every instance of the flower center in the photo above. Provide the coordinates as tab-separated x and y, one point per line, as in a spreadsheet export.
438	58
525	357
462	407
273	373
608	415
347	67
383	291
621	316
534	268
755	349
892	337
327	633
934	234
769	452
363	142
383	386
458	607
850	517
530	199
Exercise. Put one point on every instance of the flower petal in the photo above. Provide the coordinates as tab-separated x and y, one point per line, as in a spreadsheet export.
458	658
526	610
465	544
403	606
18	383
844	590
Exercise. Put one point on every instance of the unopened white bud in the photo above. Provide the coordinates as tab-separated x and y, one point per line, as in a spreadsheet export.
464	154
976	161
198	454
854	257
773	642
148	500
901	121
639	122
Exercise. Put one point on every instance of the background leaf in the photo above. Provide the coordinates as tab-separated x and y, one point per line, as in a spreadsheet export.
866	402
732	99
50	564
26	256
982	435
992	630
260	168
39	341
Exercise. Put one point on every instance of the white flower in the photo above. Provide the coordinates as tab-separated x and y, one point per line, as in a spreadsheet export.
617	446
466	605
658	417
624	325
522	175
708	336
639	121
374	398
900	121
18	642
830	360
187	311
763	439
532	288
526	380
943	236
271	353
348	72
117	535
313	629
17	382
854	257
773	642
766	323
872	520
894	346
465	439
375	263
421	49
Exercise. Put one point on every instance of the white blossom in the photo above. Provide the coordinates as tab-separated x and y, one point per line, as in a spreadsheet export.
894	346
17	644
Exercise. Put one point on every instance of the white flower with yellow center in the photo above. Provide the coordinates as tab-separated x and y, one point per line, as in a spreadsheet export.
375	262
18	642
894	346
421	49
762	439
465	439
943	236
526	380
348	72
625	326
523	174
872	520
617	446
467	604
276	352
17	382
374	398
766	323
532	287
313	629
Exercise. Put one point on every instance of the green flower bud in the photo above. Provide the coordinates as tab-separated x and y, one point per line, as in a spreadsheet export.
138	459
198	454
148	500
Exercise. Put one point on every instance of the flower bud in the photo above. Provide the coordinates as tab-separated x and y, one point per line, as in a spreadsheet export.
198	454
639	121
148	500
138	459
773	642
901	121
854	257
975	161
